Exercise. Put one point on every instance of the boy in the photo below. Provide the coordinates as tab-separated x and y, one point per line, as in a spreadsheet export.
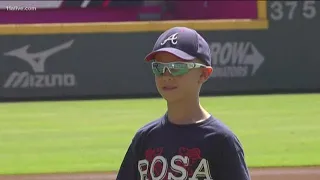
187	142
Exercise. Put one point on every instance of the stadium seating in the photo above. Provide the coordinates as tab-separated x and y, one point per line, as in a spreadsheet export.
63	11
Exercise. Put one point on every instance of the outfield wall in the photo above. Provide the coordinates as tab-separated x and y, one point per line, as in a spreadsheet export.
279	53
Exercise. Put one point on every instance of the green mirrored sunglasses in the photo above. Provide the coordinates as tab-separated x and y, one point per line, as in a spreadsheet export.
174	68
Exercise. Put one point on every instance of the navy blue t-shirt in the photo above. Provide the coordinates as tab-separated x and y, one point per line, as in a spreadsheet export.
162	150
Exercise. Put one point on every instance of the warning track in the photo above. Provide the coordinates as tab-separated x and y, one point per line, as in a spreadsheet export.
285	173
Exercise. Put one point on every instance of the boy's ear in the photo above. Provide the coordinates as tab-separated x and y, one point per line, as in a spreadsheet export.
206	73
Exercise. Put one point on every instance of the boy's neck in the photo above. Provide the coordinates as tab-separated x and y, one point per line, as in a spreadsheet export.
189	112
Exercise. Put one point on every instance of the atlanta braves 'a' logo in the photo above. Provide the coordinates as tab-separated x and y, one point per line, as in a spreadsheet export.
173	39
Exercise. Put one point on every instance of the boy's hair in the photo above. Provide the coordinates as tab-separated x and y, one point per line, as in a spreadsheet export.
200	61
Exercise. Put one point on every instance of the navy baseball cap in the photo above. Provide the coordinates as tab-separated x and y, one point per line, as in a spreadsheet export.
184	43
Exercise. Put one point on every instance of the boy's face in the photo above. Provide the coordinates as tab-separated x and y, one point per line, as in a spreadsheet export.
181	87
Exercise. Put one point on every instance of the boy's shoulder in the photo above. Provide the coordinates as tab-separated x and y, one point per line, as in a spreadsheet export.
220	127
149	127
226	135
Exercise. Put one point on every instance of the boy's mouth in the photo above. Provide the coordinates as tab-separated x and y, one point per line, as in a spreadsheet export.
169	88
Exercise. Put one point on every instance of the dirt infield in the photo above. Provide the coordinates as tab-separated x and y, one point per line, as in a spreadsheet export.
301	173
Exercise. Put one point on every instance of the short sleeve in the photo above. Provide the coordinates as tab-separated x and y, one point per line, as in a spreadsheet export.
129	167
231	162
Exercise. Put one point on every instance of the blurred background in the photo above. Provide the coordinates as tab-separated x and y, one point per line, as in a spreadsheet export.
265	52
257	46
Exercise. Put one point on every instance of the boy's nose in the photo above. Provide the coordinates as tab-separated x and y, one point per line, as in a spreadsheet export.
166	72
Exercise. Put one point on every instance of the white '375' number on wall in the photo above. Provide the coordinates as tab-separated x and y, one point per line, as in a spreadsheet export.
288	9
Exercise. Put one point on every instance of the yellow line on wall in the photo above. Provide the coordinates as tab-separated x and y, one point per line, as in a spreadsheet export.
262	9
127	27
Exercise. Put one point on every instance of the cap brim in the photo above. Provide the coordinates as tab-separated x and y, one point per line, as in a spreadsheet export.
173	51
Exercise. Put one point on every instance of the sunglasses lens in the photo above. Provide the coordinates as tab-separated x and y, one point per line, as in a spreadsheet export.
179	72
176	69
157	68
156	72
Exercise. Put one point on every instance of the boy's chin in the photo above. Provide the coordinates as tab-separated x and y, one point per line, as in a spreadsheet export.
171	98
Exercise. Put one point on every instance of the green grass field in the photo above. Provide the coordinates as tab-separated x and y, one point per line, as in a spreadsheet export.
41	137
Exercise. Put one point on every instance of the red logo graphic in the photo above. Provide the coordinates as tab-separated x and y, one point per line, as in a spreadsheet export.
194	155
150	154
